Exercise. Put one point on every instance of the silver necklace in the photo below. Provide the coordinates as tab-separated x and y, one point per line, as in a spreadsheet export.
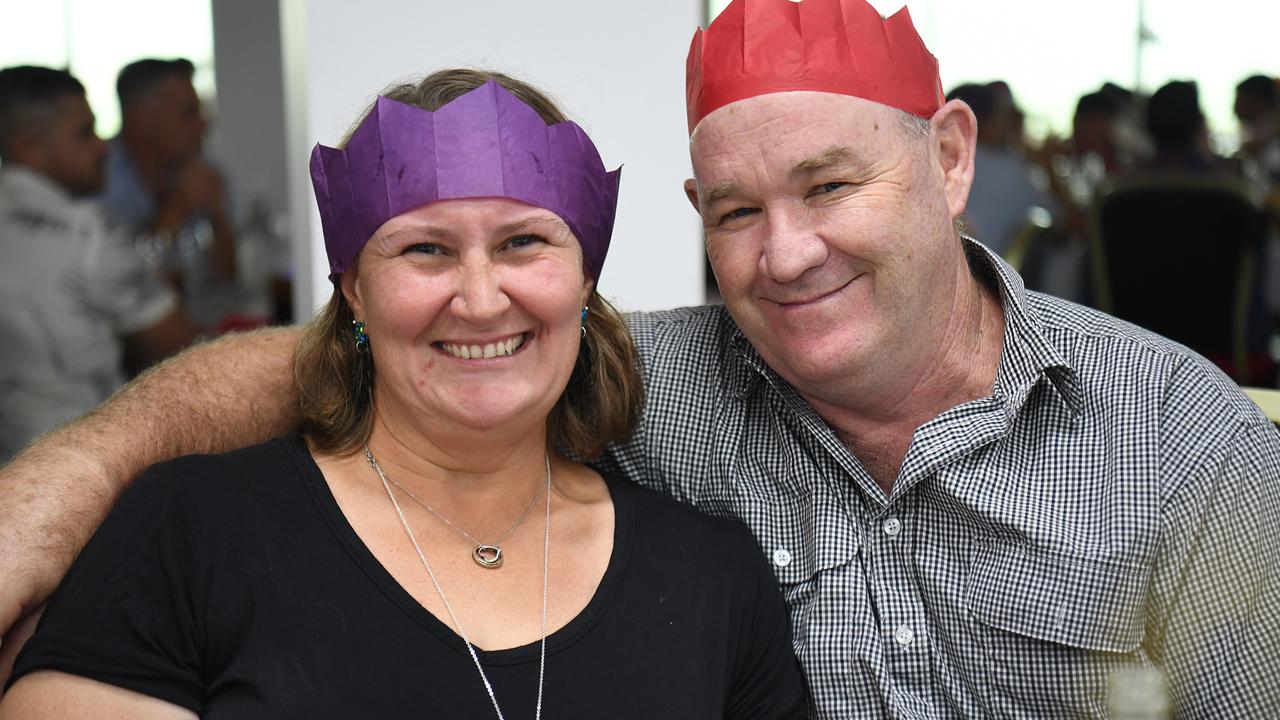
546	556
486	555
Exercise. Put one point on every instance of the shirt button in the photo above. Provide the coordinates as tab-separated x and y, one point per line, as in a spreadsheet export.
892	527
782	557
903	636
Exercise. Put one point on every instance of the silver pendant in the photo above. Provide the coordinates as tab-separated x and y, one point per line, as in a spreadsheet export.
487	556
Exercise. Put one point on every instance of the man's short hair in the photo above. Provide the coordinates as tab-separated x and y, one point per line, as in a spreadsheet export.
1096	104
1263	88
1174	118
141	77
980	98
27	91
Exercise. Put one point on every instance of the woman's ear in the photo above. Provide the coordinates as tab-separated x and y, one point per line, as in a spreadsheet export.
347	283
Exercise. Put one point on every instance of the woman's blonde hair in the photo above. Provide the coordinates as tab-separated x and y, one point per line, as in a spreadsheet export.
602	401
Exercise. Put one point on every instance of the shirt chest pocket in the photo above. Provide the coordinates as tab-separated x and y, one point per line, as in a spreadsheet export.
1053	627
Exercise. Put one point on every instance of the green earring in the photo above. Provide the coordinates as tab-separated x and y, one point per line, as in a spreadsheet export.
361	337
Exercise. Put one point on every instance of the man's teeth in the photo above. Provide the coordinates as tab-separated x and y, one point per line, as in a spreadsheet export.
491	350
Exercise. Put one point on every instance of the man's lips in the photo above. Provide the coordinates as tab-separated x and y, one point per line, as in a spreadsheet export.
812	298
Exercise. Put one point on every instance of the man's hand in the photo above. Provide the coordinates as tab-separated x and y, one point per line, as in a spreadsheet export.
197	189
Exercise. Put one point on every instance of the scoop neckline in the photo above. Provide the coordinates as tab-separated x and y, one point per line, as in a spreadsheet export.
564	637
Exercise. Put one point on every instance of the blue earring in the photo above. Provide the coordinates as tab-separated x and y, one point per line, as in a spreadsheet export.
584	322
362	338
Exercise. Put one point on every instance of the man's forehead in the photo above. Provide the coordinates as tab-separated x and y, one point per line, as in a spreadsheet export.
817	118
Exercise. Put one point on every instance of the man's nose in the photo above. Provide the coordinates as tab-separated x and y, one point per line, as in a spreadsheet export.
792	247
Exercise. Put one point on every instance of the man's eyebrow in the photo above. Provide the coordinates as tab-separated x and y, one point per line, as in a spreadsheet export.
720	191
811	166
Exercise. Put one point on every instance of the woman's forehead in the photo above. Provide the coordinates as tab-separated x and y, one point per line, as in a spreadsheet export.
493	214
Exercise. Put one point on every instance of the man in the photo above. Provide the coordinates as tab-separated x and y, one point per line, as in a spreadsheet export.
72	293
158	181
978	501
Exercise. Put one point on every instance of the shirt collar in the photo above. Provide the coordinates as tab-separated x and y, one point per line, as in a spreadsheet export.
1027	358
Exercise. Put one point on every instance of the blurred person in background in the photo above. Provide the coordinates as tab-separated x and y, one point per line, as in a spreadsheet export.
1003	192
1257	107
73	294
1178	130
160	183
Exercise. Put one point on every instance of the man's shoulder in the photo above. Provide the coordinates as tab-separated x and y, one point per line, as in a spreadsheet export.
691	321
687	342
706	326
1113	356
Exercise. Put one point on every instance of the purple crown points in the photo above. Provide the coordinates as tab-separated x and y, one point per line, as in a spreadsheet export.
486	143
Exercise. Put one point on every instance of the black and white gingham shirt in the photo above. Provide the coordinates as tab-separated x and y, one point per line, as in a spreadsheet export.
1115	503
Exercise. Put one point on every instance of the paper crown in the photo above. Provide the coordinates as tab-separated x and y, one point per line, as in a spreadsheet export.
486	143
757	47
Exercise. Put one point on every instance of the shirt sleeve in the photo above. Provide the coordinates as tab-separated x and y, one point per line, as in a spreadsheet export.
768	683
1213	624
118	281
126	613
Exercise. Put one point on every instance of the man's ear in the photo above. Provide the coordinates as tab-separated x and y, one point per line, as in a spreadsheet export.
956	131
691	192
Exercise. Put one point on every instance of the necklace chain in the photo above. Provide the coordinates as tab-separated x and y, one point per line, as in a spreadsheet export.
496	545
546	556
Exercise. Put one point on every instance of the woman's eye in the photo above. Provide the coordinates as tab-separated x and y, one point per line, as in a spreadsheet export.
520	241
424	249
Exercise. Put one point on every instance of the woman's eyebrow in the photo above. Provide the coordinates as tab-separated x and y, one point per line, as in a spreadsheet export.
527	224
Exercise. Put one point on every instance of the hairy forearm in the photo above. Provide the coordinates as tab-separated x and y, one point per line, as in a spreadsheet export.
226	394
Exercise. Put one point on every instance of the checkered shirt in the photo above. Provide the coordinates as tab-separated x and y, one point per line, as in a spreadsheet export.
1114	504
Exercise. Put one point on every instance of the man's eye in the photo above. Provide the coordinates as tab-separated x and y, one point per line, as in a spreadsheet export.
739	213
828	187
424	249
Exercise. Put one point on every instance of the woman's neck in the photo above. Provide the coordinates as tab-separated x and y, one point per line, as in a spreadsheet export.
493	469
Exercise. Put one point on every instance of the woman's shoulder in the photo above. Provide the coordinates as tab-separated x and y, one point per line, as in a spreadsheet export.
218	480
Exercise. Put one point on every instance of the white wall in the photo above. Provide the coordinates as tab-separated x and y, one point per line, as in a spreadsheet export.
618	68
248	127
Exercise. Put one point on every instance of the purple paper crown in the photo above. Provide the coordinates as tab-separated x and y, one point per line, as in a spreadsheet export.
486	143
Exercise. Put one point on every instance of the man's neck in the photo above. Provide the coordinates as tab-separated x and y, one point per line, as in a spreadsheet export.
877	414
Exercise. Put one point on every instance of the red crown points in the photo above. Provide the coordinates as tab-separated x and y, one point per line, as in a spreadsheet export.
756	47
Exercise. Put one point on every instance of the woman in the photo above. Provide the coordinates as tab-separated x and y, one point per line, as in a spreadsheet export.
422	549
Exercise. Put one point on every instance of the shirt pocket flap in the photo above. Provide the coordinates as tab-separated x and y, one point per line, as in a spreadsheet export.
1059	598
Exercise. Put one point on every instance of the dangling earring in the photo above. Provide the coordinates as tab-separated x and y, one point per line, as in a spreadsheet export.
362	338
584	322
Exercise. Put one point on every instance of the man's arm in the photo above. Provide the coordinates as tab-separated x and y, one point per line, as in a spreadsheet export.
229	393
1212	626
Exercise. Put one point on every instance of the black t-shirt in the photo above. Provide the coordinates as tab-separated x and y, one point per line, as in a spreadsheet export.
232	585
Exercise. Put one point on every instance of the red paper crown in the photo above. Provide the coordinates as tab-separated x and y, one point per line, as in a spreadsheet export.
756	47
